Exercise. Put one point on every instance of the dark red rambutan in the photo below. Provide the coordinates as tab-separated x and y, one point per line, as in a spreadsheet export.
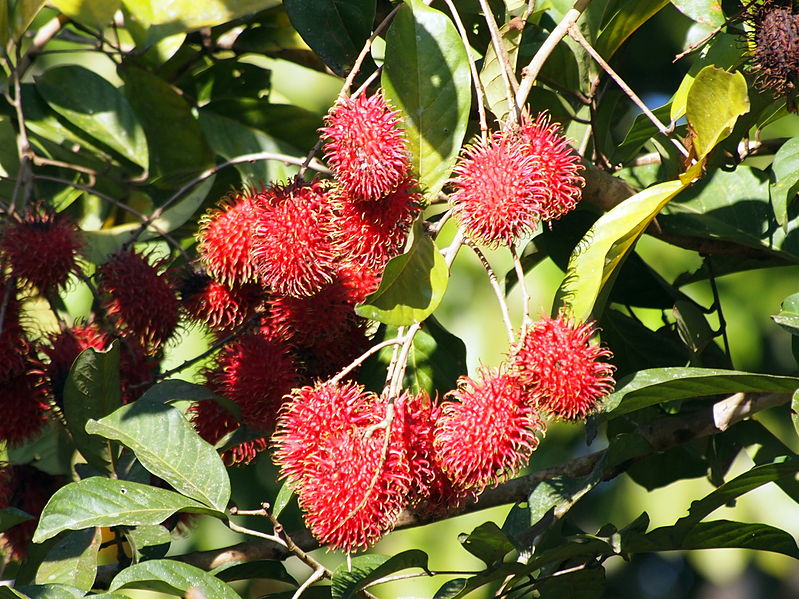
563	373
14	347
556	164
41	249
371	233
498	193
487	433
63	348
140	301
224	240
775	42
23	404
213	423
223	308
28	489
138	366
357	282
351	483
365	147
292	247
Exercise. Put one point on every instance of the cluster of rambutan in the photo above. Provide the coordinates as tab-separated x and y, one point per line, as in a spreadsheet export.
290	262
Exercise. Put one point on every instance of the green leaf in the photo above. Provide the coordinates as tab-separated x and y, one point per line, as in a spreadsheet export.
650	387
180	212
795	411
95	107
784	179
264	569
488	542
715	101
588	583
22	15
629	16
174	390
426	75
95	14
366	569
11	516
148	542
92	390
788	317
72	560
706	12
99	501
413	285
491	74
284	495
41	591
335	29
172	577
596	260
156	20
177	147
169	447
640	132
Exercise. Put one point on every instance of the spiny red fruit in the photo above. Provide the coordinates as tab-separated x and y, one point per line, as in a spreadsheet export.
555	163
487	433
564	373
141	301
221	307
13	344
292	245
63	348
213	422
371	233
224	240
498	193
23	404
41	249
365	147
351	484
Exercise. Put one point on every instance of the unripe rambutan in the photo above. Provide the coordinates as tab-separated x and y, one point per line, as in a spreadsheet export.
365	148
23	404
223	308
292	246
498	193
41	249
14	347
555	163
488	433
224	240
63	348
563	373
371	233
141	302
351	483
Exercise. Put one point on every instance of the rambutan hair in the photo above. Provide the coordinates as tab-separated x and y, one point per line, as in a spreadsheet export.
292	245
366	149
561	370
487	431
140	301
57	242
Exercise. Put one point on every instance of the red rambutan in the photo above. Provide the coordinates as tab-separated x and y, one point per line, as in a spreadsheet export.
555	163
563	373
23	404
224	240
292	246
365	148
14	347
371	233
141	302
63	348
41	249
488	433
223	308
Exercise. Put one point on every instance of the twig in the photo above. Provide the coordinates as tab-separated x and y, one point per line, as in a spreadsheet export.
492	278
531	71
365	356
317	574
577	36
508	76
255	533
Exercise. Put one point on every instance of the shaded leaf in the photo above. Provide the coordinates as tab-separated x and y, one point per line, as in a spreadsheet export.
169	447
784	179
413	285
99	501
628	17
488	542
268	569
72	560
587	583
491	75
148	542
41	591
174	390
426	75
11	516
171	577
371	568
180	212
788	317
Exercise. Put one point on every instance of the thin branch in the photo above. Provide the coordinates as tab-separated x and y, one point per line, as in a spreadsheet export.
317	574
492	278
365	356
531	71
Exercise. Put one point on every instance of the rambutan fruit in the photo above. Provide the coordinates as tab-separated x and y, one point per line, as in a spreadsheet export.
23	404
223	308
371	233
292	246
139	300
556	164
497	191
224	240
487	432
366	149
63	348
14	347
562	371
352	482
213	422
41	249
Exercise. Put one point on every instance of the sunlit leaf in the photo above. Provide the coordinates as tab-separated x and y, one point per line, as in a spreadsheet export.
366	569
72	560
784	179
95	14
706	12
